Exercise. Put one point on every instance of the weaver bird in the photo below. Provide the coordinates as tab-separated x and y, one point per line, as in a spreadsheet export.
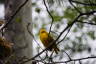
5	48
47	39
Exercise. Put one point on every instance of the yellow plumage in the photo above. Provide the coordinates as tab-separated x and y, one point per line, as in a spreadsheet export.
46	39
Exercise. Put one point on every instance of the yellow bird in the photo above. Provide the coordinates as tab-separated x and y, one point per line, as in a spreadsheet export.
46	39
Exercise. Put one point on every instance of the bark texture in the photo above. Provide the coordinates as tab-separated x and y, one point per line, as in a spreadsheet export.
16	31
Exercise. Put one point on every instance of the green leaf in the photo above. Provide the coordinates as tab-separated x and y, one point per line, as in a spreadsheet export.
92	35
33	4
75	30
38	10
70	14
57	18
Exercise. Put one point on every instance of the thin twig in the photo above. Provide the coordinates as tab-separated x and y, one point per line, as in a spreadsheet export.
10	20
50	15
51	54
91	5
75	20
34	39
90	23
75	60
87	4
67	60
70	1
63	40
64	36
53	41
32	35
80	62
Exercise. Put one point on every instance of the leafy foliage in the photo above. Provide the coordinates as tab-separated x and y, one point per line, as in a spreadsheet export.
78	39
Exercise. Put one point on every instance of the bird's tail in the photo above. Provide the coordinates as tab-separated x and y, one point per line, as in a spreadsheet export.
56	49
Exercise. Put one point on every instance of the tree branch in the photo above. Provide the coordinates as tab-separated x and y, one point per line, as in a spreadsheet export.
65	61
87	4
70	1
10	20
75	20
86	22
75	60
49	15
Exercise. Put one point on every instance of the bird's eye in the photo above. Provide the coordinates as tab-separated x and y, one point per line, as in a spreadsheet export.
42	31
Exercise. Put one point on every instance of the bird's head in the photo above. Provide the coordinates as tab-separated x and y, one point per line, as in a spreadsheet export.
43	30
